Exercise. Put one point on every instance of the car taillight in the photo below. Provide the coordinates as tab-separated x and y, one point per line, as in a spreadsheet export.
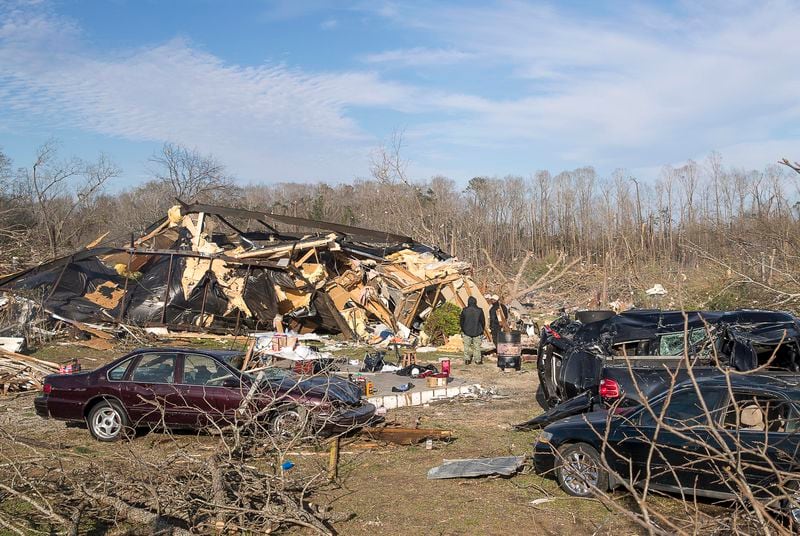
553	333
46	388
609	389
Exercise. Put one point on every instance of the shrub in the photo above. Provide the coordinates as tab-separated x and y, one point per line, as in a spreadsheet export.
443	322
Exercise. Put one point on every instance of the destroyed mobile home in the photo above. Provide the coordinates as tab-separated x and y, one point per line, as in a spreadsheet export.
198	270
623	358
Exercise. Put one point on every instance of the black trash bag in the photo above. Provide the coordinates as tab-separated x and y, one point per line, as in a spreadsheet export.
406	371
373	362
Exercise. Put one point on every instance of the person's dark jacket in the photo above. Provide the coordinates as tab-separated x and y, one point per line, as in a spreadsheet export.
494	319
472	320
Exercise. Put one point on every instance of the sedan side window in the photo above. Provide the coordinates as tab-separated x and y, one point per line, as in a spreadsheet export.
685	409
760	413
202	370
117	373
155	368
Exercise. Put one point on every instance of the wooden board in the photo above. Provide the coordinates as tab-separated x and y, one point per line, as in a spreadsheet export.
406	436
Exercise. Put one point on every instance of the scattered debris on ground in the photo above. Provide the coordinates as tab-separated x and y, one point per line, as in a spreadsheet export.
504	466
407	436
21	372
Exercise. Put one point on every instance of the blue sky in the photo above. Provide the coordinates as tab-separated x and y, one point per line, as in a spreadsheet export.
294	90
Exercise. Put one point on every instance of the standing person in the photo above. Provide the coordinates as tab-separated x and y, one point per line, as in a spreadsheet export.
498	318
472	324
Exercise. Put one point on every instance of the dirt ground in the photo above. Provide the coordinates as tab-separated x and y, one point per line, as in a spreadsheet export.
385	488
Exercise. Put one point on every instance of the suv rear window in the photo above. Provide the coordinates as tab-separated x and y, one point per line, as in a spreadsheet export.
672	343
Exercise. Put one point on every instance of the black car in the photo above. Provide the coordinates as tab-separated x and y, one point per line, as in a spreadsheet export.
750	426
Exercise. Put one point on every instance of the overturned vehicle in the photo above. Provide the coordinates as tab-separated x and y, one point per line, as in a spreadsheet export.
605	358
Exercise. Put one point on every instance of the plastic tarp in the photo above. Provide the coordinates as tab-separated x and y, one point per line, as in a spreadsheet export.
72	277
260	296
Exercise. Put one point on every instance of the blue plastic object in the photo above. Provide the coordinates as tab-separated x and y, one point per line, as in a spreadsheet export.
288	464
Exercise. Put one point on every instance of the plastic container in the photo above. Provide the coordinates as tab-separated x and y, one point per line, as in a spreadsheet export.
444	365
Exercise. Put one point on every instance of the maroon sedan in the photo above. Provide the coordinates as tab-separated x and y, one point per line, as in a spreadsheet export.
188	388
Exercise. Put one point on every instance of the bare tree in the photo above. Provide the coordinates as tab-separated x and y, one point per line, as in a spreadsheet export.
189	174
62	193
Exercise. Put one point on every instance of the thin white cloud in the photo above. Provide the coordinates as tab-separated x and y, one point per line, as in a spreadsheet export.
329	24
278	119
635	88
642	84
419	56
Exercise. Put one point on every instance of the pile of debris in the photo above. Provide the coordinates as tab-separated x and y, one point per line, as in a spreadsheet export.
22	373
203	269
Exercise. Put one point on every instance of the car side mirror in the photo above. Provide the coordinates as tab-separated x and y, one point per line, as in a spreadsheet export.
231	382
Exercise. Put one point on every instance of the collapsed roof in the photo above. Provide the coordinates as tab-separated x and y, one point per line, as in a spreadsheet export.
197	269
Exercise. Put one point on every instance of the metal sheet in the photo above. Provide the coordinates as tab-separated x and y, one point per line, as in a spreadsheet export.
505	466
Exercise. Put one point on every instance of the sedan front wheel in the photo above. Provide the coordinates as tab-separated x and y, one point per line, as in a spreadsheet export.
580	471
290	423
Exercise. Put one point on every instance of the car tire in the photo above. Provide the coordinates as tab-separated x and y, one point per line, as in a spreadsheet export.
290	423
107	421
790	508
580	471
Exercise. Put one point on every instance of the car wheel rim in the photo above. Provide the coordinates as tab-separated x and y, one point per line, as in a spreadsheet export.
288	424
107	423
794	507
580	473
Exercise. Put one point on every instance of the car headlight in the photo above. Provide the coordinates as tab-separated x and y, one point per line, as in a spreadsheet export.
545	437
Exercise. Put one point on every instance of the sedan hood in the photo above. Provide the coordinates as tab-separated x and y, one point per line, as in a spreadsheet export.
323	387
597	419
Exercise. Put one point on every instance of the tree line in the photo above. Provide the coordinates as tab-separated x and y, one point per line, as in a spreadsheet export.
700	213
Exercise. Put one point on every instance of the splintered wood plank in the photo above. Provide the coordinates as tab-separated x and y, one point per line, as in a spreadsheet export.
406	273
430	282
406	436
413	311
304	258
